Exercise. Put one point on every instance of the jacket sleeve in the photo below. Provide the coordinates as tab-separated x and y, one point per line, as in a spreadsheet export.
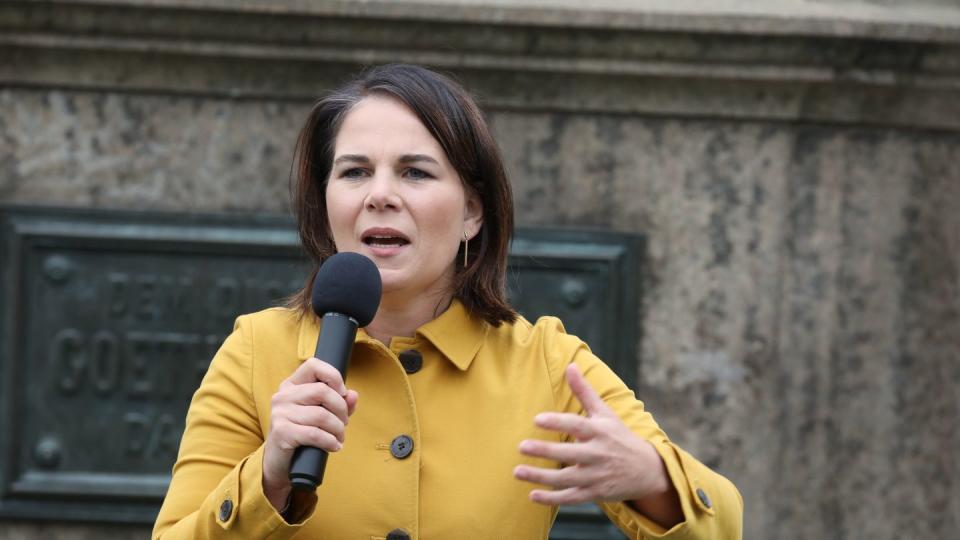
712	506
217	487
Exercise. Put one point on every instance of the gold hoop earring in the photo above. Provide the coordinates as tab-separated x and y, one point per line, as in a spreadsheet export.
466	246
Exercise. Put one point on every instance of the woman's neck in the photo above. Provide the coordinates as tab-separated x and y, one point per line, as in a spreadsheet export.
401	315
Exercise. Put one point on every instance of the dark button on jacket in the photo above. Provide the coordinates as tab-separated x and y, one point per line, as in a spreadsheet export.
398	534
702	495
412	360
401	447
226	508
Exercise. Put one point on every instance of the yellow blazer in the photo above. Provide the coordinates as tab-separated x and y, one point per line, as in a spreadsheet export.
465	411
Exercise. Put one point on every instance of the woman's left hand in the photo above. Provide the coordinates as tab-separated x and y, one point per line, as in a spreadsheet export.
607	461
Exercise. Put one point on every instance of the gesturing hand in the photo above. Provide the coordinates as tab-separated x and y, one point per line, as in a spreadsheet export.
606	462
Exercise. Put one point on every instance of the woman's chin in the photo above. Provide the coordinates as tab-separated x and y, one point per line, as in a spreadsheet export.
398	283
392	280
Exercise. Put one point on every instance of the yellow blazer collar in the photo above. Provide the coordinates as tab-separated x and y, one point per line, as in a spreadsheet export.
455	333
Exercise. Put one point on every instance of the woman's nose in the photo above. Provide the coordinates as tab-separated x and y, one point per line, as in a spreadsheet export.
382	193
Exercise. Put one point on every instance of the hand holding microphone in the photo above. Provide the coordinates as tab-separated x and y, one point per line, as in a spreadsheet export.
346	295
310	409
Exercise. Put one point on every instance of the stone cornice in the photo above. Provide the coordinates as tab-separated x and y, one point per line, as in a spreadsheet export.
547	57
912	21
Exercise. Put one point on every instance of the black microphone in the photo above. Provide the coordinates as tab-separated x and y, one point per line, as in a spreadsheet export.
346	295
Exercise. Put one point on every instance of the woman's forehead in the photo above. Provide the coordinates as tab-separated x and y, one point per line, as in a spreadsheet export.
381	113
381	125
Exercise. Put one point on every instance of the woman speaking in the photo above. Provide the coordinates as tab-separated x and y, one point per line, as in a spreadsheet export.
459	419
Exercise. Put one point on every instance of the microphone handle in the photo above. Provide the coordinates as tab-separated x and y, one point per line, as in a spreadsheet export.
333	347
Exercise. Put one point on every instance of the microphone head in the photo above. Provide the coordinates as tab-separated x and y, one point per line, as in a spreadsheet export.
349	284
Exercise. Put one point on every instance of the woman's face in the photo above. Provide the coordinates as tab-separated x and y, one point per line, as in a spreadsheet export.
393	196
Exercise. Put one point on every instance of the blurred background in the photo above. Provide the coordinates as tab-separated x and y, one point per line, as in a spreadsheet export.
794	168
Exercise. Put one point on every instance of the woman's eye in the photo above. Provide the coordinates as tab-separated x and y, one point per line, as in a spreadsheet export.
417	174
353	173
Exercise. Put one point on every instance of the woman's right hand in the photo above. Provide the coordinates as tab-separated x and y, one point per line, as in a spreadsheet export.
311	408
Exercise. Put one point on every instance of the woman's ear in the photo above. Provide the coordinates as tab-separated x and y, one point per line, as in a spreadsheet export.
472	214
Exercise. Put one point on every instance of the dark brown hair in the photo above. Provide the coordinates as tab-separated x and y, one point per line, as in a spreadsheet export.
455	121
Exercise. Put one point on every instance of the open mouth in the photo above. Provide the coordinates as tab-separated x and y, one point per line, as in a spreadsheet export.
382	240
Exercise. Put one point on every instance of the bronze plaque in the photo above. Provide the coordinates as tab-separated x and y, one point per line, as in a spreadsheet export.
110	319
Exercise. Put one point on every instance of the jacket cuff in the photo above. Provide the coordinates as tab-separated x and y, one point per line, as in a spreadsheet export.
694	501
240	506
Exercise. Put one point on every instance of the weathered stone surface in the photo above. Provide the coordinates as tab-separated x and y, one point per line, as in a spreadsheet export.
845	63
147	152
918	19
850	282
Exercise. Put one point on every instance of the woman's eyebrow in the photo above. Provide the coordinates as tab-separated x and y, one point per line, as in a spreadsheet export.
412	158
351	158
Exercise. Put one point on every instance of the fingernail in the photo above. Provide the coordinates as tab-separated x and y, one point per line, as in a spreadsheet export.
339	446
541	418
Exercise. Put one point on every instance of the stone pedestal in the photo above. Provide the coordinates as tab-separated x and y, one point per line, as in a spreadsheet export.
793	166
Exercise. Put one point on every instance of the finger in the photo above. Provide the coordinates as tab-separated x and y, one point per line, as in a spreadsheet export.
318	417
352	398
314	370
558	478
572	495
588	397
556	451
574	424
292	436
315	394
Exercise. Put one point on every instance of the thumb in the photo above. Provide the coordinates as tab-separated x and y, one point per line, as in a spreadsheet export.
588	397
